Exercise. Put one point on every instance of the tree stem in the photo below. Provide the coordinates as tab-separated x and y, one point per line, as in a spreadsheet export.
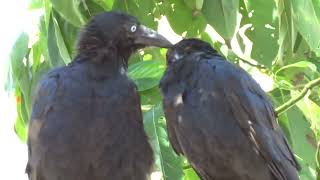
284	107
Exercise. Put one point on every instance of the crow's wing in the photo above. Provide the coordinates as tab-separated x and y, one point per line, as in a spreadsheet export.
43	101
83	127
256	117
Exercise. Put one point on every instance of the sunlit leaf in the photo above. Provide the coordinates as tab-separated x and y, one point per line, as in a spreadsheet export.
146	74
264	31
222	16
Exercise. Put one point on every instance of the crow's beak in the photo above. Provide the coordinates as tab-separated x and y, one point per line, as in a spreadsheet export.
148	37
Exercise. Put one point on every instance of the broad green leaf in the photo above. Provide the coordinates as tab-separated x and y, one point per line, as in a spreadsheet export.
301	64
18	53
47	12
303	144
264	31
278	98
183	20
106	4
222	16
311	111
142	9
194	4
166	160
295	75
146	74
36	4
70	11
287	31
20	126
307	23
150	97
68	35
90	8
20	66
190	174
60	40
56	58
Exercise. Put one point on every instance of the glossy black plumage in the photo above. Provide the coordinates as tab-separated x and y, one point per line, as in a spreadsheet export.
220	119
86	121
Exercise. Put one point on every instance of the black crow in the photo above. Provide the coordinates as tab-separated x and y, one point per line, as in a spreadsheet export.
220	119
86	122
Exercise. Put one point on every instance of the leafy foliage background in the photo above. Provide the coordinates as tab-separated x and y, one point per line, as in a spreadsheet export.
277	38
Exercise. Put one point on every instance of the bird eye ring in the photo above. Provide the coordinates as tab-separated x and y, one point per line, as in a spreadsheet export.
133	28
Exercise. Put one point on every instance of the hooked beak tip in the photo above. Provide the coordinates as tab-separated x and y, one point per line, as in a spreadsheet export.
149	37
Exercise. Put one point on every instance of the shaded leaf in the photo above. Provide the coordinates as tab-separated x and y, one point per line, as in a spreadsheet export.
56	58
70	11
142	9
183	19
166	160
306	21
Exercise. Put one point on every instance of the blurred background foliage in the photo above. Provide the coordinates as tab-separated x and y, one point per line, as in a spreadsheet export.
277	41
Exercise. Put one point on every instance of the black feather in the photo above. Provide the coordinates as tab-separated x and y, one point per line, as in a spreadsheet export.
220	118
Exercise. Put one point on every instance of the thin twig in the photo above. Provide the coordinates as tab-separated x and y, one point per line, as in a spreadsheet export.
284	107
259	66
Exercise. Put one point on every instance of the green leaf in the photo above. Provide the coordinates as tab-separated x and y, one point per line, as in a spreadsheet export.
36	4
150	97
56	58
20	126
183	20
307	23
20	69
194	4
70	11
303	145
68	35
142	9
146	74
311	111
90	8
279	97
18	53
222	16
106	4
287	32
264	31
60	40
300	64
296	75
166	160
190	174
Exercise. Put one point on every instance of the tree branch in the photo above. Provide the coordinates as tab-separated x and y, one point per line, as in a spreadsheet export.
284	107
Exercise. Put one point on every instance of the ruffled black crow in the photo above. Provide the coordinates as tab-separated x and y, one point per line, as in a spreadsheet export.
86	121
220	119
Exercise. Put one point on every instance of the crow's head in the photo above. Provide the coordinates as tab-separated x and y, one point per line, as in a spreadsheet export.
187	47
118	34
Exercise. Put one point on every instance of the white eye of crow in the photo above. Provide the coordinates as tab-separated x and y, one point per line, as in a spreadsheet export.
133	28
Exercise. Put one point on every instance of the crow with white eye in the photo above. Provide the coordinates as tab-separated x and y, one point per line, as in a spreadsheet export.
86	121
220	119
